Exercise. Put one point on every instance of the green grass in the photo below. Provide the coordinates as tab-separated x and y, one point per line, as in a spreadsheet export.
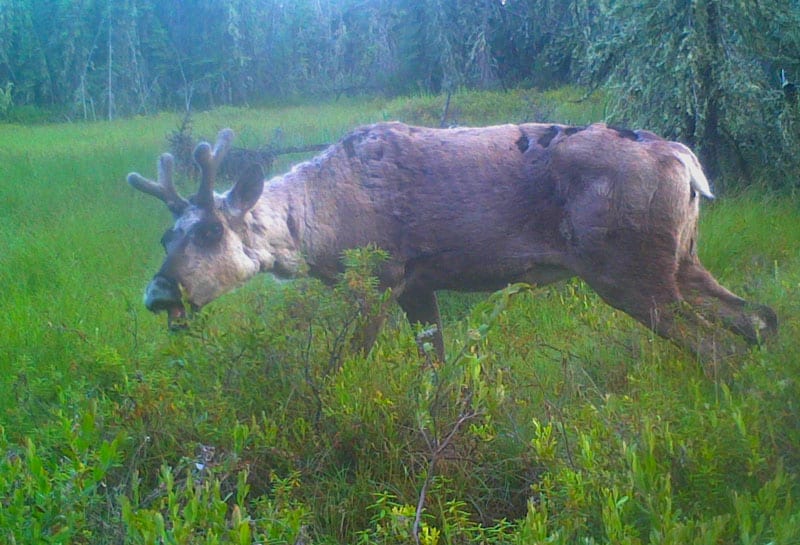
557	419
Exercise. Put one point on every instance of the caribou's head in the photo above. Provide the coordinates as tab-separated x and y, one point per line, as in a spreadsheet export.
206	251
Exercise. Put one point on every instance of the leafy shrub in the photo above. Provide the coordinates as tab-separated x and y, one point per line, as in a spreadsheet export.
47	501
195	510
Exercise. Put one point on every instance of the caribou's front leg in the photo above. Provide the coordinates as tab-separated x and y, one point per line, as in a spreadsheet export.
420	306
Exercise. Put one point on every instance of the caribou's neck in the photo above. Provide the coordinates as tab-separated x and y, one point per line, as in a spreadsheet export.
306	218
291	230
273	230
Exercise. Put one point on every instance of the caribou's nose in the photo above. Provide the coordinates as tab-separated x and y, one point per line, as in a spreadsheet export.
162	293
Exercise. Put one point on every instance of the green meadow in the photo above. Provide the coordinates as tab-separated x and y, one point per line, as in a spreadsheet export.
556	419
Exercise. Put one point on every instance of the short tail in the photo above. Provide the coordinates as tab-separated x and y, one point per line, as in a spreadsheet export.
697	179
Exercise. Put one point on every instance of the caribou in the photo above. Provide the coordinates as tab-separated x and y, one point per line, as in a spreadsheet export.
466	209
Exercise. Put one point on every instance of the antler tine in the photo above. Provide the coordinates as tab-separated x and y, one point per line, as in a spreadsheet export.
209	162
163	189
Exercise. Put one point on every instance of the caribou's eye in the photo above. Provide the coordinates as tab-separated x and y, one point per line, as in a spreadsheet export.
207	234
168	238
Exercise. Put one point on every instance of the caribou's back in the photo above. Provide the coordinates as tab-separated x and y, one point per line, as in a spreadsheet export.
477	208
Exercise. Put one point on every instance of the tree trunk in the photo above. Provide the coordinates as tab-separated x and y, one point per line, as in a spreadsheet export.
110	53
709	65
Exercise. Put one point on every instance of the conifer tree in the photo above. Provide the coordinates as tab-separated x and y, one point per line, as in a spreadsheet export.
706	72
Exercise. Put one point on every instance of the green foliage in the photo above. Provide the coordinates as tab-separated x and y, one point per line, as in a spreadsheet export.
563	105
51	497
195	510
555	419
713	81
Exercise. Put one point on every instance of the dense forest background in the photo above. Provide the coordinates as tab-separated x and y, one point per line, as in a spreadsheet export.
719	75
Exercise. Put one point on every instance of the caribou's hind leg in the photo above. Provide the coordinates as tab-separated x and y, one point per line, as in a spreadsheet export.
666	313
752	321
645	285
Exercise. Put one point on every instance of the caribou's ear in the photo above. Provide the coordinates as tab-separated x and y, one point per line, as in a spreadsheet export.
245	193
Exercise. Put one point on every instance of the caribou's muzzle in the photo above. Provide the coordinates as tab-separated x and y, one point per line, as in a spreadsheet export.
163	293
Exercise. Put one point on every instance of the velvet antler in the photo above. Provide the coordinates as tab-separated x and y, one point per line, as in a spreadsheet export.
162	189
209	161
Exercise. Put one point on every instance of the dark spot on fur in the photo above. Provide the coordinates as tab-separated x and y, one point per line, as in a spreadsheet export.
647	136
349	148
548	136
626	133
523	143
569	131
692	194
